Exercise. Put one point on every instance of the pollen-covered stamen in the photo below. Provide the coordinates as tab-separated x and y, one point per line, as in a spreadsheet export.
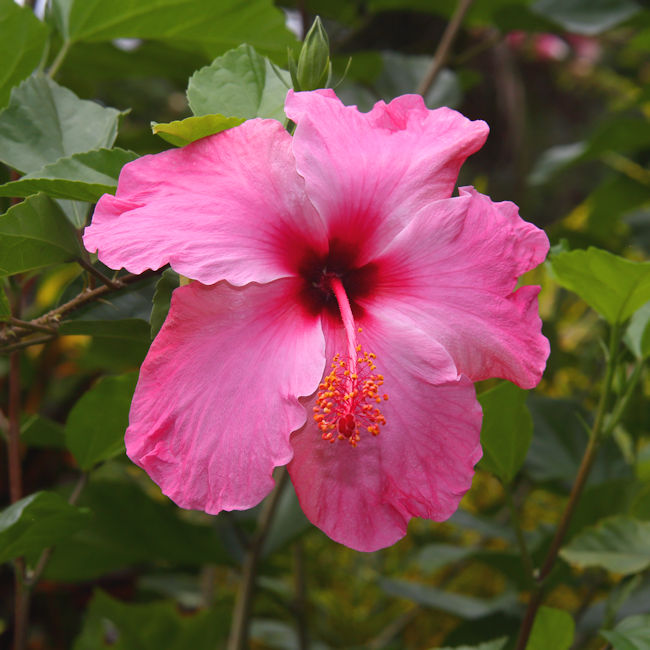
348	397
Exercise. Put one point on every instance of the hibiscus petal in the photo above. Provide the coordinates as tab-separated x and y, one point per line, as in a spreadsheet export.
230	206
367	174
420	464
218	392
454	270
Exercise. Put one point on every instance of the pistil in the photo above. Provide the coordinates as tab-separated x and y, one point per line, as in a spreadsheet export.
348	396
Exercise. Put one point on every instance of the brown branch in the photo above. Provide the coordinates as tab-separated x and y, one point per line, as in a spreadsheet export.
586	464
15	470
51	319
34	576
21	598
39	340
26	325
300	600
304	17
111	284
444	47
238	639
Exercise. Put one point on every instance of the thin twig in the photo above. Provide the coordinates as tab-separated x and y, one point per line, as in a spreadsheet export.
26	325
4	425
304	17
586	464
21	597
576	492
300	601
111	284
34	576
623	403
493	37
52	317
89	296
238	639
444	47
207	579
39	340
394	628
521	540
15	470
58	61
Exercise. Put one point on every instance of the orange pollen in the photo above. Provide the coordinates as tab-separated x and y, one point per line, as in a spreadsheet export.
347	402
348	397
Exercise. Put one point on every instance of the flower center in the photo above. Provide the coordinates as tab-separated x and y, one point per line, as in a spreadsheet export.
348	396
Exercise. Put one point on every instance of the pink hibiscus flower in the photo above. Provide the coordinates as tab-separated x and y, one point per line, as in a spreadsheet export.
344	304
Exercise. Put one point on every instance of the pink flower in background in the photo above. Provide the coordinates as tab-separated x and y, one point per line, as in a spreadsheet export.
549	47
343	305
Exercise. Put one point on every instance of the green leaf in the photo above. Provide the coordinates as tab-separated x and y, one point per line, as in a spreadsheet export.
162	299
45	122
463	606
32	524
553	628
117	345
637	336
211	27
33	234
131	329
632	633
22	41
619	544
402	73
623	593
241	83
509	563
621	133
130	528
131	302
82	176
507	430
435	556
182	132
38	431
5	308
559	443
600	501
148	626
91	439
587	17
497	644
615	197
488	527
614	286
104	62
276	635
554	160
289	523
641	505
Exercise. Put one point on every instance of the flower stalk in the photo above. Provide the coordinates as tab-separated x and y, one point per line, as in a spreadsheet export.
444	47
597	434
238	639
21	596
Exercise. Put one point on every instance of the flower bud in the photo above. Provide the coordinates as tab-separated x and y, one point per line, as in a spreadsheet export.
314	68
